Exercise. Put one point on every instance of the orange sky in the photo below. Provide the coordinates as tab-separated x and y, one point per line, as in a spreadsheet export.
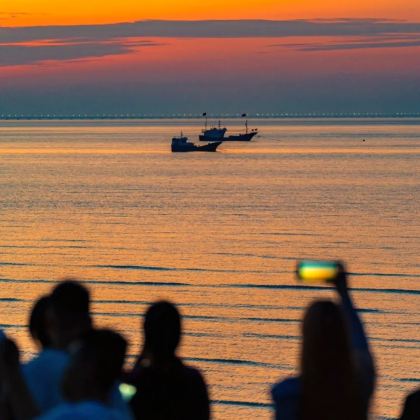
50	12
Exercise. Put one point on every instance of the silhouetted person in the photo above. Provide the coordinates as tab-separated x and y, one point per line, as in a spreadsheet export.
58	322
411	410
88	381
5	408
337	373
167	389
17	397
72	323
44	372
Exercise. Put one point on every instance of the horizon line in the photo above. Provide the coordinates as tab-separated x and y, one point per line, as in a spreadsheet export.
265	115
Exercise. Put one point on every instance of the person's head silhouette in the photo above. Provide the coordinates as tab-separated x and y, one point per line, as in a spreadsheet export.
162	331
39	325
71	320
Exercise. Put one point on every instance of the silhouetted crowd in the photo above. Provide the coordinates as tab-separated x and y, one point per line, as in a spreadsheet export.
79	373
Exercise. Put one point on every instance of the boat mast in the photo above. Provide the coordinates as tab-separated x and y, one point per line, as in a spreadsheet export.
205	123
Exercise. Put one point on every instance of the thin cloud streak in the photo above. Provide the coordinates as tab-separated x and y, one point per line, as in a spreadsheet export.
354	46
29	45
23	54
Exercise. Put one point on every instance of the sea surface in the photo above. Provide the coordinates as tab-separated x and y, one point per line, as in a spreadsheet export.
219	234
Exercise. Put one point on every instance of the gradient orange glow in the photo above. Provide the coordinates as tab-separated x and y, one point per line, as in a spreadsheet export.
62	12
233	64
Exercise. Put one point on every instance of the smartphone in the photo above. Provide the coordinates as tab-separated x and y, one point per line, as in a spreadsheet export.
318	271
127	391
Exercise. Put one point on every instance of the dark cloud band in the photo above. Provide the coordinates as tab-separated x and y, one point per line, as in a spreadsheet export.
29	45
212	29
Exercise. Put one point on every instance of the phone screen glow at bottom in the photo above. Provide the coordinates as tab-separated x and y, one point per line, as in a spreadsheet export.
127	391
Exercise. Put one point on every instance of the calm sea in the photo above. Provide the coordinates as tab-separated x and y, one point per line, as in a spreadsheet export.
219	234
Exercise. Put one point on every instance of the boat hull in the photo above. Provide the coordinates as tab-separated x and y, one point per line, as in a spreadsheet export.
190	147
233	137
241	137
203	137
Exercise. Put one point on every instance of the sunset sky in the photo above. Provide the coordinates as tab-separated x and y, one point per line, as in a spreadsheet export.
168	56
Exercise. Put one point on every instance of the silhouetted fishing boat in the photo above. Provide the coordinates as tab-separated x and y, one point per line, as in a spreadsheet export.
213	133
219	133
181	144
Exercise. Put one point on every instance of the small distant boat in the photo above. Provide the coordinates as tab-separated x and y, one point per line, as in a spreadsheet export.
218	133
181	144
